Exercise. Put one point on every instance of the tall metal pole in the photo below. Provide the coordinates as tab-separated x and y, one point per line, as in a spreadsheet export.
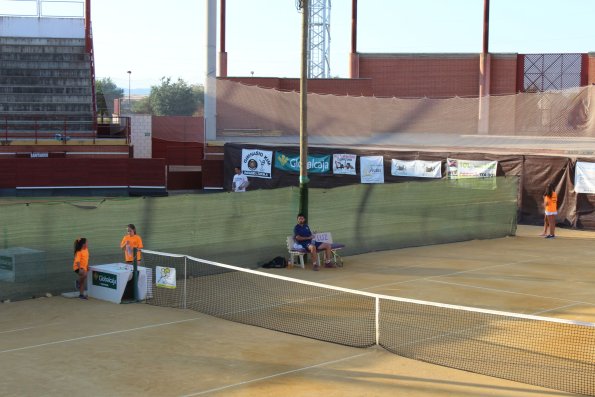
353	57
210	108
486	26
129	103
303	208
353	26
483	124
222	51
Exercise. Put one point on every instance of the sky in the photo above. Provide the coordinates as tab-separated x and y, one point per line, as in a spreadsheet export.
168	39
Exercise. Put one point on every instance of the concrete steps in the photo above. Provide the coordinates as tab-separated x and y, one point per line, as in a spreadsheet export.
45	87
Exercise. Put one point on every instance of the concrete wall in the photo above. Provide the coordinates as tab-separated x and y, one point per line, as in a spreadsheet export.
42	27
140	135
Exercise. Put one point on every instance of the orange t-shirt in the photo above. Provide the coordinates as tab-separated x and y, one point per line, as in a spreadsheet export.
134	242
551	203
81	260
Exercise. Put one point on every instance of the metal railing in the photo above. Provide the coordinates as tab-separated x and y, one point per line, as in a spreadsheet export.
63	128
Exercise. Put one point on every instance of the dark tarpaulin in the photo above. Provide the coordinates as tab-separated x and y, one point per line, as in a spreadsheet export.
534	172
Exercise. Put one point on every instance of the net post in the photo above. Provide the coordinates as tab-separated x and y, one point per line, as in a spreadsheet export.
377	319
135	273
185	281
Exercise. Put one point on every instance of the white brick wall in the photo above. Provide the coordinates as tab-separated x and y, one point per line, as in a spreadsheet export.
140	135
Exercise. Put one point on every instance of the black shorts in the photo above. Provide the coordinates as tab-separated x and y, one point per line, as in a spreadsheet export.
77	271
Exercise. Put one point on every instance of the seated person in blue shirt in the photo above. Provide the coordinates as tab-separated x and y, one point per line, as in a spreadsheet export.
304	237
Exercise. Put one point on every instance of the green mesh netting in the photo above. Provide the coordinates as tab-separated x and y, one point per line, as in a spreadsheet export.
244	229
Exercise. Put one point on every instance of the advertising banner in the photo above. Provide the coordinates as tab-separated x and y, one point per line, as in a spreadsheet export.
107	280
257	163
416	168
461	169
584	177
344	164
166	277
317	164
372	169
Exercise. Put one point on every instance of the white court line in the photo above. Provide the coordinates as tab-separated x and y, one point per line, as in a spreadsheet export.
447	274
510	292
96	335
554	309
26	328
275	375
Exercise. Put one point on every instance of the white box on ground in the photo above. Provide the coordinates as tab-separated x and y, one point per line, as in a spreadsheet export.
18	264
108	282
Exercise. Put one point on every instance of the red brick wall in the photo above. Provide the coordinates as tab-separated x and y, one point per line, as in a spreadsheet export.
415	76
504	74
54	151
212	173
591	76
184	180
419	75
49	172
178	128
178	153
436	75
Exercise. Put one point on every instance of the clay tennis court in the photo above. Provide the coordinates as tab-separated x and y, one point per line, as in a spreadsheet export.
57	346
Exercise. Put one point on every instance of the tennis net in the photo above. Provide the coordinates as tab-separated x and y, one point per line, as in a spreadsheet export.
541	351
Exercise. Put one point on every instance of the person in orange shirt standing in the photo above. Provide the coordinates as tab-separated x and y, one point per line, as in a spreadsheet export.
81	264
550	202
129	242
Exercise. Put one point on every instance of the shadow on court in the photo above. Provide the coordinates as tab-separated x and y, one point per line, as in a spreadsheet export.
59	347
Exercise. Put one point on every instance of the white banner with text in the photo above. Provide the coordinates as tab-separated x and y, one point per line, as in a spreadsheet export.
416	168
372	169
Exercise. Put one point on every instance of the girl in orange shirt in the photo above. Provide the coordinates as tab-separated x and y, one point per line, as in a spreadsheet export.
81	264
129	242
550	202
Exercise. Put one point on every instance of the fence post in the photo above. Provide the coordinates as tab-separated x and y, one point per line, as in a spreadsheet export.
185	278
377	320
135	273
64	134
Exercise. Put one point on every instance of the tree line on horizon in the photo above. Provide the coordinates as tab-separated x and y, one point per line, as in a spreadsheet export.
169	98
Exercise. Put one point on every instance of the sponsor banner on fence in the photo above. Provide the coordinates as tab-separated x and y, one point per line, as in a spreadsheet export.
166	277
317	164
416	168
257	163
371	169
461	169
584	177
344	164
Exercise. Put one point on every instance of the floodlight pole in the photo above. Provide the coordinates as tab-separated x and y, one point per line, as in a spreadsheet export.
303	208
483	122
129	103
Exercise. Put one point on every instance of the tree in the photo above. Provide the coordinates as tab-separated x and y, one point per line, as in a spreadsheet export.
105	93
175	99
142	106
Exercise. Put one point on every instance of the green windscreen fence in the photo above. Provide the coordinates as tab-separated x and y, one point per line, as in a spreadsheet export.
244	229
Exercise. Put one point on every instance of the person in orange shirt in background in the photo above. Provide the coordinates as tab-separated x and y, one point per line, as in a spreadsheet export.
81	264
550	202
129	242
